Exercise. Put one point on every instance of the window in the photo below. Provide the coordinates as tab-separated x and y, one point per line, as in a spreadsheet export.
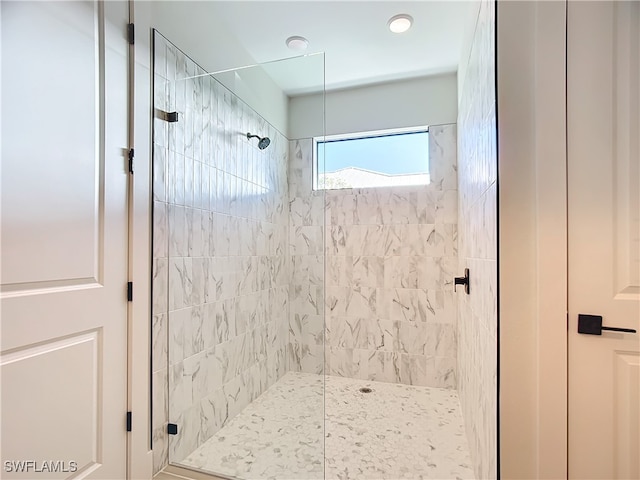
373	159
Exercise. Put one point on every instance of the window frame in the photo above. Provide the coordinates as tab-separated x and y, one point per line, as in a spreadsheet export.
389	132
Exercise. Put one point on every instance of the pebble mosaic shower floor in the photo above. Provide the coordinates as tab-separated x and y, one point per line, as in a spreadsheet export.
394	432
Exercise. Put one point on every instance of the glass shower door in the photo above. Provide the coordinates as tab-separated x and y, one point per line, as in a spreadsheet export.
242	247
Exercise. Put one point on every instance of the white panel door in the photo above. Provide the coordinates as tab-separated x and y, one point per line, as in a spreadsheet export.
64	239
603	93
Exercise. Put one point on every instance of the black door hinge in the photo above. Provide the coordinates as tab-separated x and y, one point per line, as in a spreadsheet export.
128	421
131	33
131	160
172	428
129	291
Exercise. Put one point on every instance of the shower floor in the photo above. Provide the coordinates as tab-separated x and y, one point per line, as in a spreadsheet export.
394	432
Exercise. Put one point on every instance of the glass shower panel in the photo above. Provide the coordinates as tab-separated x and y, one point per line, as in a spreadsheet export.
241	241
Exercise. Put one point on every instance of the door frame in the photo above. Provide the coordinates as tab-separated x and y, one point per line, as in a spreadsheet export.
532	238
139	395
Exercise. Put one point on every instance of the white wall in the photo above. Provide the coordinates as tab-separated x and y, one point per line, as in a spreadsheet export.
532	237
195	28
422	101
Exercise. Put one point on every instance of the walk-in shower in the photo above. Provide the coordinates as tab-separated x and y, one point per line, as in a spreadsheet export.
306	329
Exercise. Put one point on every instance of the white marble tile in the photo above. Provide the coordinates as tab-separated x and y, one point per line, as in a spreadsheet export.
441	306
437	273
382	335
338	335
199	324
441	339
341	362
160	230
409	305
384	366
160	159
441	371
360	360
412	338
339	270
413	369
159	383
177	397
179	321
180	282
342	209
367	271
414	238
177	228
160	285
189	186
159	339
443	157
361	302
447	207
336	240
196	367
177	178
198	281
306	299
405	272
184	443
160	442
306	240
312	358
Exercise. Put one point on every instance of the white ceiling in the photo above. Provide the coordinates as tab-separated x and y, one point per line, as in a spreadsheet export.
358	45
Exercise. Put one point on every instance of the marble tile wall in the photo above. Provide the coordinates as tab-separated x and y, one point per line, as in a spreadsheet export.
477	313
220	256
306	249
391	254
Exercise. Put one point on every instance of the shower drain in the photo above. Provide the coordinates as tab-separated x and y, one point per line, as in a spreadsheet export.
365	390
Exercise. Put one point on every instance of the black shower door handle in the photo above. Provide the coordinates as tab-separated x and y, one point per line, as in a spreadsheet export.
462	281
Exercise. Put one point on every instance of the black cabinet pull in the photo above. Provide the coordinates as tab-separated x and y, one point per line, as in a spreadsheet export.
592	325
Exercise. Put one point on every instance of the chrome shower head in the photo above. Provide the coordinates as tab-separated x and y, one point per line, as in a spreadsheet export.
263	142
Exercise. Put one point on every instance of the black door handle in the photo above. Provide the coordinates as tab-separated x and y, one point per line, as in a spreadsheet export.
462	281
592	325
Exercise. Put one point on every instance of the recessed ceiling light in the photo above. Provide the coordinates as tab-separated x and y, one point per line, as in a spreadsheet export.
297	43
400	23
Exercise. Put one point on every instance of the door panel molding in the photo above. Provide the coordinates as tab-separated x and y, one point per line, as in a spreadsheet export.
73	403
54	118
626	148
11	290
627	423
